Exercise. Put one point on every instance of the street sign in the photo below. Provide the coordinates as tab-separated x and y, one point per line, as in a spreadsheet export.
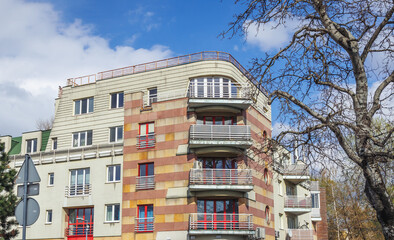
32	190
32	172
32	214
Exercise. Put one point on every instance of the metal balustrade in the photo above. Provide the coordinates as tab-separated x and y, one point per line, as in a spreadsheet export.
146	141
163	96
79	230
78	190
170	62
220	221
220	132
300	234
145	182
298	202
315	213
207	176
144	224
315	186
218	90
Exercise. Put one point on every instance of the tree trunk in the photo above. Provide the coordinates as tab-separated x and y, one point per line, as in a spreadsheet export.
379	198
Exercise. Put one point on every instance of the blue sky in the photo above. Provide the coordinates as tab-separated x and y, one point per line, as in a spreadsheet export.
44	42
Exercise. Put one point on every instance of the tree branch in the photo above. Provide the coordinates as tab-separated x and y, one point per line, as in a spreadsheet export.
376	98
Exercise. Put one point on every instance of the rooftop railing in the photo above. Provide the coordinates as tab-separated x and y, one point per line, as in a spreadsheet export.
170	62
220	221
298	202
220	132
207	176
300	234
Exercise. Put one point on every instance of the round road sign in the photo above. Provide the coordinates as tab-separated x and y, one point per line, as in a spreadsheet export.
33	211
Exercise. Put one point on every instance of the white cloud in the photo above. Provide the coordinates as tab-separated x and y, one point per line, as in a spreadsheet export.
269	36
38	52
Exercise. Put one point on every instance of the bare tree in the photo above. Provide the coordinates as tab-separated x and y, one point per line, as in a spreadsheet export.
332	80
45	124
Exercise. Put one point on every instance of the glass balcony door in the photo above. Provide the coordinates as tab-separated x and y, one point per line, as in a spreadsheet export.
80	223
213	87
79	181
217	214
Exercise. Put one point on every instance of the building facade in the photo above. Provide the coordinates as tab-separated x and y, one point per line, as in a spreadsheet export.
155	151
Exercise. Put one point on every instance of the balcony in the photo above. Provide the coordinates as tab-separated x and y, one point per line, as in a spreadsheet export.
315	214
298	204
80	231
221	179
220	136
220	223
315	186
143	225
145	182
296	173
78	190
300	234
218	96
146	141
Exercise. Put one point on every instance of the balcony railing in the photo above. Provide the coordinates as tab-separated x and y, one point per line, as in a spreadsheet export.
315	186
208	176
145	182
146	141
296	170
220	132
78	190
170	62
79	230
220	221
298	202
315	213
300	234
217	90
144	224
163	96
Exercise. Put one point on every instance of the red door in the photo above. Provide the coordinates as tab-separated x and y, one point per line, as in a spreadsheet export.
80	223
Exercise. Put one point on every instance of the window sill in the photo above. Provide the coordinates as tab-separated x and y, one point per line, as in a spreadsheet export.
50	185
109	222
112	182
48	223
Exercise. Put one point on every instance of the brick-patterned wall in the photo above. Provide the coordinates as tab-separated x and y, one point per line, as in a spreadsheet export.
322	226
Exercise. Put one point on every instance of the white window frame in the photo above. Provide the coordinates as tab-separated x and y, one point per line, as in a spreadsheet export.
212	83
49	179
116	134
281	221
33	145
280	187
79	139
152	97
47	212
89	106
113	169
118	95
112	217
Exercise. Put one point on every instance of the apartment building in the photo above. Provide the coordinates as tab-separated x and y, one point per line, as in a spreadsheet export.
300	207
155	151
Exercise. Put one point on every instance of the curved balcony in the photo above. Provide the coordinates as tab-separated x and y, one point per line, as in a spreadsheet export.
220	223
298	204
237	136
221	179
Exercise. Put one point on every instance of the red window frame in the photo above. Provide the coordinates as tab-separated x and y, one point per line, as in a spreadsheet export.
77	229
148	138
147	226
146	166
227	222
217	175
220	118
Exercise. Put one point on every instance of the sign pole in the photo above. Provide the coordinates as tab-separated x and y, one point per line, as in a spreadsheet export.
25	178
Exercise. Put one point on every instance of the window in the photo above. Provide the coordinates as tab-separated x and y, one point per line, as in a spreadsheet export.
266	176
79	182
117	100
116	134
83	106
267	215
217	214
152	96
213	87
54	143
216	120
146	136
48	218
80	223
292	222
112	213
146	178
280	220
51	179
31	145
290	190
280	187
315	200
145	218
113	173
81	139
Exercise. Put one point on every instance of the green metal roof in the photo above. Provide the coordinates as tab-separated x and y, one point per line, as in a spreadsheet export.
16	143
44	139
